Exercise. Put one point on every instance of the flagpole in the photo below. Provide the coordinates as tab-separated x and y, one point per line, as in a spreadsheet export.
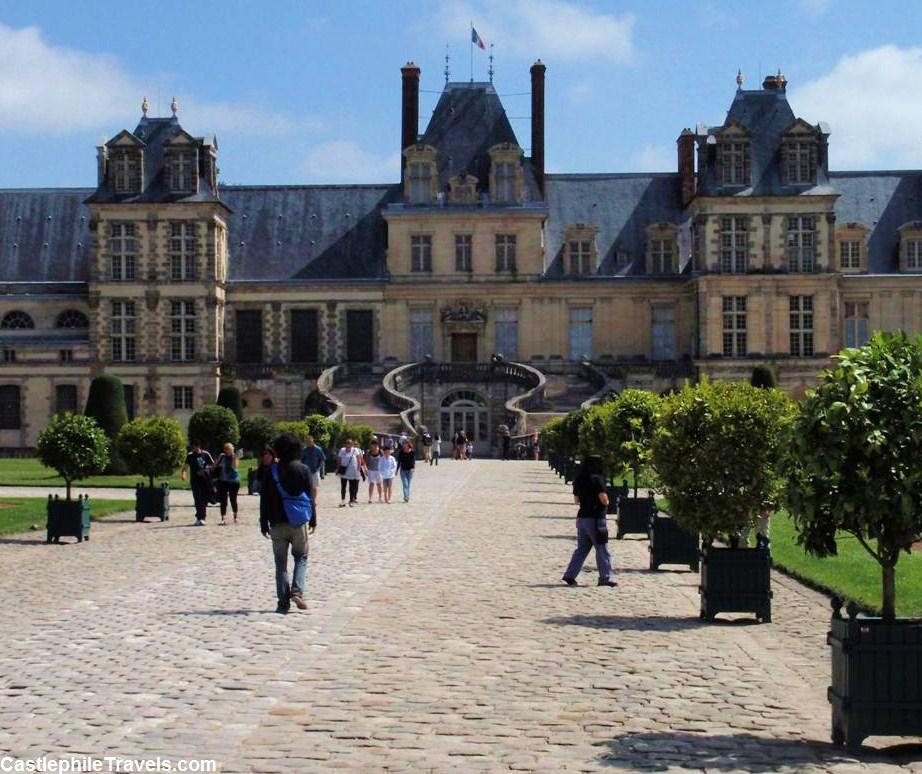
471	36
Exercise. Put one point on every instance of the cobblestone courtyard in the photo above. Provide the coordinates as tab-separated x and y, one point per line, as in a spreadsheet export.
438	638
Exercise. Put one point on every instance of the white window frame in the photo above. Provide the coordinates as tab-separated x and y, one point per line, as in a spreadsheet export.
734	326
126	171
506	181
663	255
580	332
420	180
800	243
182	251
801	326
855	328
734	244
421	334
850	254
421	253
123	251
183	398
182	331
123	326
913	254
182	171
734	161
507	333
580	256
505	245
464	253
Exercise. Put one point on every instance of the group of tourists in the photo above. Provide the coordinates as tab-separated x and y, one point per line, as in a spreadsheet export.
213	482
462	447
380	464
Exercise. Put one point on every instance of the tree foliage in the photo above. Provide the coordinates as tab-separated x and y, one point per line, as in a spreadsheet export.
256	433
561	435
229	397
213	426
715	452
361	434
106	404
75	446
762	376
151	446
325	431
299	430
855	462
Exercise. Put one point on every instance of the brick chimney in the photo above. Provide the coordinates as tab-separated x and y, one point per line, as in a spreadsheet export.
537	122
686	150
409	133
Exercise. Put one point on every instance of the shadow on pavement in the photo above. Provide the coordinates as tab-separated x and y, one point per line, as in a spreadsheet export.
628	623
571	538
23	541
730	752
216	613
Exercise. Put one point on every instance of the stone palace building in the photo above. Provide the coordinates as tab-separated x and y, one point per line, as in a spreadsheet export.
752	251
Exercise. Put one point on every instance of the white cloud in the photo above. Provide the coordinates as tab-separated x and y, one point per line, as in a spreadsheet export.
581	94
553	30
54	90
654	158
345	161
872	101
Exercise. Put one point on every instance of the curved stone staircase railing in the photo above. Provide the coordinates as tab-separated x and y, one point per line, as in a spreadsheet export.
325	384
605	385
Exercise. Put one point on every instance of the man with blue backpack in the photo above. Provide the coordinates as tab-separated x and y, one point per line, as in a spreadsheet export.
287	515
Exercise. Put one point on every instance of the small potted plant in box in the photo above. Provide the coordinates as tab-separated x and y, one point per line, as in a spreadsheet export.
76	447
715	452
152	446
855	468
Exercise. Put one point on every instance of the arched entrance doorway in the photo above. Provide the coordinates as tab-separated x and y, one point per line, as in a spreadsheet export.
466	410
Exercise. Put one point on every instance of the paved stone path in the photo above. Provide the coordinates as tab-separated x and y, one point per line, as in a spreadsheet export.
438	638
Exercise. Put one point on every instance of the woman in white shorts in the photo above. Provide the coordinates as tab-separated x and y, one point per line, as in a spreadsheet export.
372	463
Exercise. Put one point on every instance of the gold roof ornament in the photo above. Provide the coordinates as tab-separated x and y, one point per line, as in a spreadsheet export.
739	79
174	106
145	106
782	81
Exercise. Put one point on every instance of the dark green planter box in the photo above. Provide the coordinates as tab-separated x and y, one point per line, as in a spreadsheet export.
736	580
634	514
876	677
152	502
68	518
615	493
570	469
671	544
252	486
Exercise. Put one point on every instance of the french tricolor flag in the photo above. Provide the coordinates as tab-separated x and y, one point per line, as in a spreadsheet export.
476	39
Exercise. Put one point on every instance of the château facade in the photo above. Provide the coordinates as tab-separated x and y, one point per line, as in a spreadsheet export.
753	251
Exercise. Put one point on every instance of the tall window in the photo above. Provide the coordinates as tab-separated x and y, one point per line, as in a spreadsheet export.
850	254
663	332
123	251
463	253
420	182
856	332
580	256
182	330
580	333
123	331
801	243
130	403
65	398
10	411
182	398
734	245
505	181
734	162
662	255
305	336
421	253
734	326
801	325
182	171
420	334
914	254
182	251
507	333
505	252
249	332
799	161
126	171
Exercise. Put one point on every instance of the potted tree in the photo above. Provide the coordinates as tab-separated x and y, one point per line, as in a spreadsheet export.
213	426
855	469
76	447
595	438
152	446
715	452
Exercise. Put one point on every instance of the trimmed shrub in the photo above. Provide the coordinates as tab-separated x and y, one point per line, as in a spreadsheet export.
255	434
229	397
75	446
299	430
213	426
152	446
363	435
762	376
106	404
323	429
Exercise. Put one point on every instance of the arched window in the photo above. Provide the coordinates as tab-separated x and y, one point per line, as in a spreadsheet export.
16	320
71	318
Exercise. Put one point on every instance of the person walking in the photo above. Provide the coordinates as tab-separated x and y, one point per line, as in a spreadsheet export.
228	481
314	458
349	468
198	465
426	440
436	450
460	445
591	525
387	467
406	463
373	466
287	515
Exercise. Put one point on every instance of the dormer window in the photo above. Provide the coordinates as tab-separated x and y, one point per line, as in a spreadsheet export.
799	161
851	250
421	180
507	179
463	189
580	255
505	182
182	171
662	249
733	165
126	171
911	246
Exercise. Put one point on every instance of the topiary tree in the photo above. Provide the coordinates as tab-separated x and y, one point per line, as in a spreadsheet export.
229	397
213	426
550	436
593	437
106	404
855	462
256	433
299	430
715	451
75	446
323	429
361	434
151	446
762	376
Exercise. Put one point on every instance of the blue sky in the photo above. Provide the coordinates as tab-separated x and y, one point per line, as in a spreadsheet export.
309	92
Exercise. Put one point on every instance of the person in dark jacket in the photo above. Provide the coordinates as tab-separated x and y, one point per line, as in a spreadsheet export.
199	464
591	524
406	462
273	523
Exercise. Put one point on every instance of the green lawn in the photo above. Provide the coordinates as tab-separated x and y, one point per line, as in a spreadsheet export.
30	472
852	574
18	514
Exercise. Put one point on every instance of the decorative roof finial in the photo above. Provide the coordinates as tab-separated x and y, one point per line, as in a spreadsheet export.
490	71
447	68
782	81
145	106
174	106
739	79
